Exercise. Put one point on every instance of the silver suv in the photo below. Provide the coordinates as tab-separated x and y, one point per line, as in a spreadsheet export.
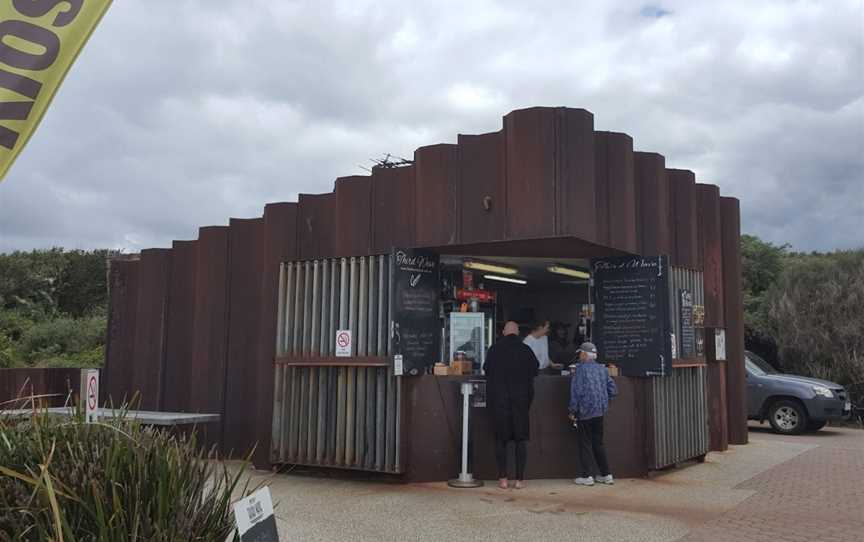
792	404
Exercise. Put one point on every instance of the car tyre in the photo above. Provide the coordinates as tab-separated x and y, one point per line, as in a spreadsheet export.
787	417
815	426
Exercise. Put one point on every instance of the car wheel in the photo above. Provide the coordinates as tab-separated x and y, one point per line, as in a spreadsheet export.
787	417
815	426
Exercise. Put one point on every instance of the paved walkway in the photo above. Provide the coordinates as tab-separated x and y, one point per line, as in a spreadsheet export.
776	488
818	495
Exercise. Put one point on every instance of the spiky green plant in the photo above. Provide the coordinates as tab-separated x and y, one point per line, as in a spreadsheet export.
67	481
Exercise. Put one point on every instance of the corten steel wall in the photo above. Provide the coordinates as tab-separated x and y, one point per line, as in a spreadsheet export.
17	386
546	174
736	400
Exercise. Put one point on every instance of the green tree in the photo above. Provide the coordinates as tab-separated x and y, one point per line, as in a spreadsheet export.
762	263
816	315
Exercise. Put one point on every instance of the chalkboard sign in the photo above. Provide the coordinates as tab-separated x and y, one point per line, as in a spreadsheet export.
632	314
415	332
688	331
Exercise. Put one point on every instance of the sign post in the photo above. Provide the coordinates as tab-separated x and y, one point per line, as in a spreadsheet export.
90	394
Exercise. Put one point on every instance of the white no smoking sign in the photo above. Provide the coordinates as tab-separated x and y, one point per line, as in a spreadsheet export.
343	343
91	394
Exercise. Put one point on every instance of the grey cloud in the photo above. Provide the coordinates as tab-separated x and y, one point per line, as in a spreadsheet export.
184	113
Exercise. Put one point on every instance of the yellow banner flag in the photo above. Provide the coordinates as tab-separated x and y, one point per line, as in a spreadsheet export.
39	41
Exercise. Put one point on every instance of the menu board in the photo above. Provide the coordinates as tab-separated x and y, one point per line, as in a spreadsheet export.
415	333
685	322
631	326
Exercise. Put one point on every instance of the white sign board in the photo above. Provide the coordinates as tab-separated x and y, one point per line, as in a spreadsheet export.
720	344
343	343
90	394
398	369
254	517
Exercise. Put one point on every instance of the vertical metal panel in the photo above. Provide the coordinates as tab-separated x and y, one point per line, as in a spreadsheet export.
353	215
350	413
575	209
481	200
362	306
360	418
370	437
123	291
372	310
530	155
178	378
324	326
616	187
683	219
303	414
392	208
148	356
306	341
436	220
315	332
383	304
712	256
297	334
314	418
341	398
652	204
734	312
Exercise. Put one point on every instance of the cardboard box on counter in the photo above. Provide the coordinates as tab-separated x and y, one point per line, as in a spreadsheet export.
440	370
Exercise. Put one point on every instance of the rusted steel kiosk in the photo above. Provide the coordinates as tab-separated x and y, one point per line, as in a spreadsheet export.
313	329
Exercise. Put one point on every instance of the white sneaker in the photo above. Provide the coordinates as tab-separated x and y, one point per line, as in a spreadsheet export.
608	480
584	481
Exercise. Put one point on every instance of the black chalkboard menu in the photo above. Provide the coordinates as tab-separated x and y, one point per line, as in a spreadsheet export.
685	323
415	332
631	327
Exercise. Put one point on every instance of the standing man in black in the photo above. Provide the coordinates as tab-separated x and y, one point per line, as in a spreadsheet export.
510	370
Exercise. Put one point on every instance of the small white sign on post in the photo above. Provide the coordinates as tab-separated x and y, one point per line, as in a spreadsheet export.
90	394
398	369
254	517
343	343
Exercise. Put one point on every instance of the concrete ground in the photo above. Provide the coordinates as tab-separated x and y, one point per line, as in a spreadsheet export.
776	488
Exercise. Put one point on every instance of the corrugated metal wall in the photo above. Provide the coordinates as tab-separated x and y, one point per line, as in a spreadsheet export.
331	411
679	419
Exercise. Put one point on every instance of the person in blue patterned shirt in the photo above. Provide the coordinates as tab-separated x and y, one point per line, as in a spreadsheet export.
591	389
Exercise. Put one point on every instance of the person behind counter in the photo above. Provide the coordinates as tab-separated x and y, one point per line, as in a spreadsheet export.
591	389
538	341
510	370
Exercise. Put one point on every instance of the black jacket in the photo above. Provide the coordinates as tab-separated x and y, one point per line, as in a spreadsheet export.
510	370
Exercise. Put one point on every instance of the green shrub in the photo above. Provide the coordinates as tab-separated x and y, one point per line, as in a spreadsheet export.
63	340
115	482
8	356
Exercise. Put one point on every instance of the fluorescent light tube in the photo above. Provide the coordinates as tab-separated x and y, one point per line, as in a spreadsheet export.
491	268
505	279
578	273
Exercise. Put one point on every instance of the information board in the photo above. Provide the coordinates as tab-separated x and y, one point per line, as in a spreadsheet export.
415	332
631	327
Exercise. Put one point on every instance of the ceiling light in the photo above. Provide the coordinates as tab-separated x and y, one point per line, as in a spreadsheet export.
491	268
578	273
505	279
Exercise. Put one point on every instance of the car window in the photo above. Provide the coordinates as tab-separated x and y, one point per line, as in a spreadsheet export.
756	365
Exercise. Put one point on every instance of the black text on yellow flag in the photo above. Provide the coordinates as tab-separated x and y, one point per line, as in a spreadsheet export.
39	42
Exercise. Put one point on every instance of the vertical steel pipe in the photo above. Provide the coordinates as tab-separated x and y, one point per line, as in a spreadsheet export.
315	333
372	313
307	307
342	392
304	415
362	306
312	425
383	321
360	417
370	439
326	334
350	420
380	416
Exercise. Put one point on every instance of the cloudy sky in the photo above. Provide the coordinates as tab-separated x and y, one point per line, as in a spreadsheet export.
182	113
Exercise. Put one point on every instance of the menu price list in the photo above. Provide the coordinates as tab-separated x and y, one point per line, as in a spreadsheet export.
632	327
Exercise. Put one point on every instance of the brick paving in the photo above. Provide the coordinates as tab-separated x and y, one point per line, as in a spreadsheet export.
818	495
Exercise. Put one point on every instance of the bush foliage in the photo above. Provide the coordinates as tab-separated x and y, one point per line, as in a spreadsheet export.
113	482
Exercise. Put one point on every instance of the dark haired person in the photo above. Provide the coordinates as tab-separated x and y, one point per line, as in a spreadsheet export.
510	370
591	389
538	341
